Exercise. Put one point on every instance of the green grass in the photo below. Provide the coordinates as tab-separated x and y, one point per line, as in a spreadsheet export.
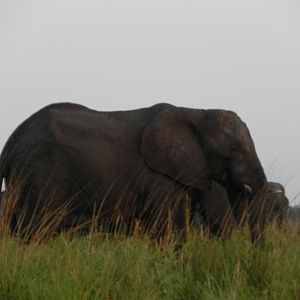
99	267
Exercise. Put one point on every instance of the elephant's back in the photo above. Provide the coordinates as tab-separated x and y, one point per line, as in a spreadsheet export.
106	141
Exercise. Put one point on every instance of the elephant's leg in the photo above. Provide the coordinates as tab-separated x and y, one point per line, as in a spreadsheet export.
198	213
41	210
166	210
46	202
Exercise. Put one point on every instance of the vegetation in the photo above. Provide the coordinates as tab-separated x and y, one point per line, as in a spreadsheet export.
103	266
97	266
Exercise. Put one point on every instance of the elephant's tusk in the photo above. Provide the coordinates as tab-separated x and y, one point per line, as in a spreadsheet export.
277	191
248	188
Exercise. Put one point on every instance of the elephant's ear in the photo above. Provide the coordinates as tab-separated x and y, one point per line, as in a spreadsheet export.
171	146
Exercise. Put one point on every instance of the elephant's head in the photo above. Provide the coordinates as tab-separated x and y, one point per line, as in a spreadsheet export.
277	202
195	147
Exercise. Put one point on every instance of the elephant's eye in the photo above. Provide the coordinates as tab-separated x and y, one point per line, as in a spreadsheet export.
234	149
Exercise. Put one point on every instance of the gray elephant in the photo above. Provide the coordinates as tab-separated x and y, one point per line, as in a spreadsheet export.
216	216
125	167
278	203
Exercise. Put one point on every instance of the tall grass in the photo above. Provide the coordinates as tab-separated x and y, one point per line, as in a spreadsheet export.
105	266
98	266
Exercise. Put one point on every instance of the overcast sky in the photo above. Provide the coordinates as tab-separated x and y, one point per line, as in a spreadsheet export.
117	54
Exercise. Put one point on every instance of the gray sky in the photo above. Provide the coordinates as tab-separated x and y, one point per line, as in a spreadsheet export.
117	54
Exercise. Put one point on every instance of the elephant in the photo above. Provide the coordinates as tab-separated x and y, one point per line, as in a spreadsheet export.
278	204
216	215
121	168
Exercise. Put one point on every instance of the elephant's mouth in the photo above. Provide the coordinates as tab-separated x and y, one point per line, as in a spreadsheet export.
225	180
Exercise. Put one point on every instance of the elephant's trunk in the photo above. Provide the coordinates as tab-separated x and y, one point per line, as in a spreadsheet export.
248	195
258	214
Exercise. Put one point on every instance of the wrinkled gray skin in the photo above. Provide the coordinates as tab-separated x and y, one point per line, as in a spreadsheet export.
216	215
125	166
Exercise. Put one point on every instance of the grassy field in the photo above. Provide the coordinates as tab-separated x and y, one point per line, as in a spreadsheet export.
101	267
